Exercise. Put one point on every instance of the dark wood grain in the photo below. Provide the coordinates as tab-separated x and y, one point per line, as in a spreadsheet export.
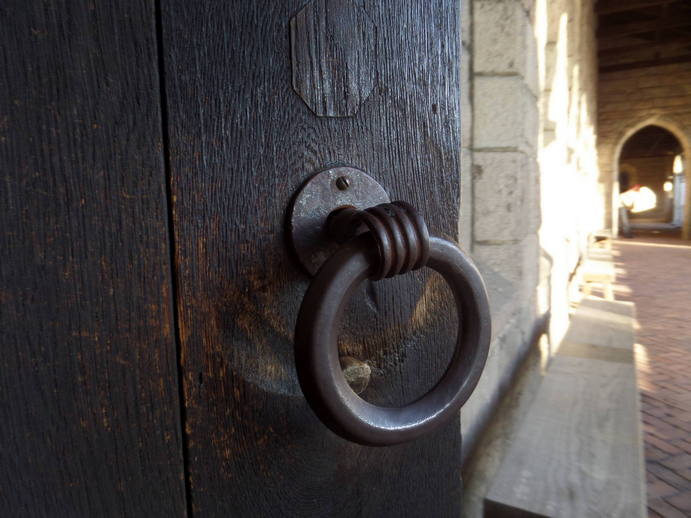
242	141
89	402
333	56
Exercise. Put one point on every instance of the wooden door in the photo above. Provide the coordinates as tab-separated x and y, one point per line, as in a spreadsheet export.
150	152
89	405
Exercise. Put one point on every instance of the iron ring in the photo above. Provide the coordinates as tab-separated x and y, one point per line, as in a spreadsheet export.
316	347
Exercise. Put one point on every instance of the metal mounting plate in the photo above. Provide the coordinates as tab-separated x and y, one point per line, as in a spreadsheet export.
323	193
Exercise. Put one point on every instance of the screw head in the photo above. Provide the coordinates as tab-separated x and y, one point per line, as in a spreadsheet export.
342	183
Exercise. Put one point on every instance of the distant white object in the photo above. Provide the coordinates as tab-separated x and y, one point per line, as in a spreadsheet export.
679	196
639	199
678	166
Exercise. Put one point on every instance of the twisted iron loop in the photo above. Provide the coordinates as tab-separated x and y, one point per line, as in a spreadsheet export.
400	234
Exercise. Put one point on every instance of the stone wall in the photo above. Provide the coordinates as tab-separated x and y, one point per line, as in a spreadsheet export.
530	193
632	99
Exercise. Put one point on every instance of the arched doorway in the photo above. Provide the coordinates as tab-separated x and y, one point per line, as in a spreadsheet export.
651	160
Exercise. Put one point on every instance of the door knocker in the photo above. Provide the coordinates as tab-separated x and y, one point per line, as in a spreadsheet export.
373	238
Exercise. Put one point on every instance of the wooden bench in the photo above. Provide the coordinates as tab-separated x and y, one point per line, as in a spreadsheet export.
578	451
598	269
601	239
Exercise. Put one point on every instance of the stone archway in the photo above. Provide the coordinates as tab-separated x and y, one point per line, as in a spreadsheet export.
675	129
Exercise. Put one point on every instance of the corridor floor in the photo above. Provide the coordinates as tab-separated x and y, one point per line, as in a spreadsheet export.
654	271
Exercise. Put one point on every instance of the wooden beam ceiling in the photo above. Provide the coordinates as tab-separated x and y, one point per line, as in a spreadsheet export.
623	43
618	6
643	33
643	53
628	29
644	48
646	64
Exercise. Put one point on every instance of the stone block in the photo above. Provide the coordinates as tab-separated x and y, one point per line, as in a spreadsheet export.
531	266
529	7
466	22
501	267
502	184
533	196
505	114
503	41
506	350
490	443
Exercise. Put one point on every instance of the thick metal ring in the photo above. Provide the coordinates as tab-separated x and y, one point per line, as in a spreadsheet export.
316	347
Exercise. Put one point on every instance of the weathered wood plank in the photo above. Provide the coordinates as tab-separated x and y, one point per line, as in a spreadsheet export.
242	142
602	323
333	56
89	405
578	451
601	254
598	270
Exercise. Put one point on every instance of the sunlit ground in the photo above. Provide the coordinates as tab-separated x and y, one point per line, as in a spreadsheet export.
654	271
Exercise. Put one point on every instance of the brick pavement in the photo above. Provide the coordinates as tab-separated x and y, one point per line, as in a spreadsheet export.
654	271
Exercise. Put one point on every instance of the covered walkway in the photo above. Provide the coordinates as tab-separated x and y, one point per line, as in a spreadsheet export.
655	273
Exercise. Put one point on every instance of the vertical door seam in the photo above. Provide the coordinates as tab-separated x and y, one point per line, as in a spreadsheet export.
174	274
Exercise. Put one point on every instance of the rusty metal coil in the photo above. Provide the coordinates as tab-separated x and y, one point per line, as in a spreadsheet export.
400	234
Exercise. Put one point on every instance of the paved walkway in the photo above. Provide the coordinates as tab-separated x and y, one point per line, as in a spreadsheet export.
654	271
